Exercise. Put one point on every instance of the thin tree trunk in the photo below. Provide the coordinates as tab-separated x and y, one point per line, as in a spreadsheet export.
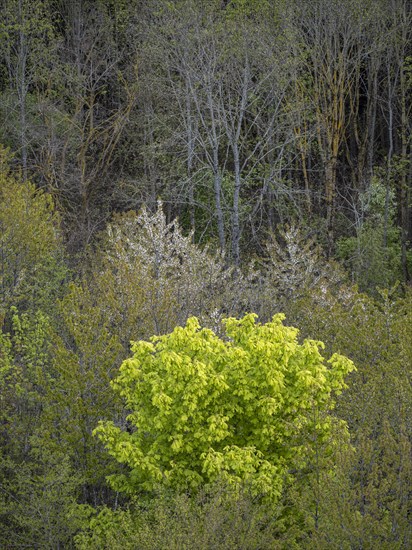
190	156
404	180
389	159
22	89
236	198
218	202
372	123
330	189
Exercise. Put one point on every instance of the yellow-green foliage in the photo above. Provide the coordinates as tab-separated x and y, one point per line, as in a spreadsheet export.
204	408
83	358
29	242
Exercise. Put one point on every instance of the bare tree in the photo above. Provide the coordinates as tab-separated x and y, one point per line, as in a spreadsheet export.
225	75
329	36
96	102
26	29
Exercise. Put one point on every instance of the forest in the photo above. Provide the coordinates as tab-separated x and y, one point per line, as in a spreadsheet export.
205	274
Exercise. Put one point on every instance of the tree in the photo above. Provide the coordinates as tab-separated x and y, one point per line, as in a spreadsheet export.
84	355
32	479
26	29
152	277
224	77
397	110
329	37
373	256
376	334
213	518
245	409
31	262
97	101
294	266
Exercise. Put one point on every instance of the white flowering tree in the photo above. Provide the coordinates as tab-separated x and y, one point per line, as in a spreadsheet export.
158	277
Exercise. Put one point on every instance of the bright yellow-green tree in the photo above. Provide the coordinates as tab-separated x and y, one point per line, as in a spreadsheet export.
246	408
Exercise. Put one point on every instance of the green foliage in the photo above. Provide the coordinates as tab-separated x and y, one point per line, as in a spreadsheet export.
214	518
32	479
243	408
54	388
372	507
230	441
31	267
373	256
40	509
370	262
24	360
83	358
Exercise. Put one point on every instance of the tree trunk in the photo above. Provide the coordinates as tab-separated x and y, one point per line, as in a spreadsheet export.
22	89
235	214
218	202
405	212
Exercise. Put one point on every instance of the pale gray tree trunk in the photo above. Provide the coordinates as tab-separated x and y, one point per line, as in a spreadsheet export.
22	87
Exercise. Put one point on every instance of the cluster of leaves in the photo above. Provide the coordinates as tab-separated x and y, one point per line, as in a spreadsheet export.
205	408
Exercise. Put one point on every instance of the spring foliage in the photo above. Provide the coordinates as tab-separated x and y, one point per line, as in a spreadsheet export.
31	266
246	408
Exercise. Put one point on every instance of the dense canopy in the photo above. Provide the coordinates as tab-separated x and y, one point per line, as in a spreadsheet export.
224	160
